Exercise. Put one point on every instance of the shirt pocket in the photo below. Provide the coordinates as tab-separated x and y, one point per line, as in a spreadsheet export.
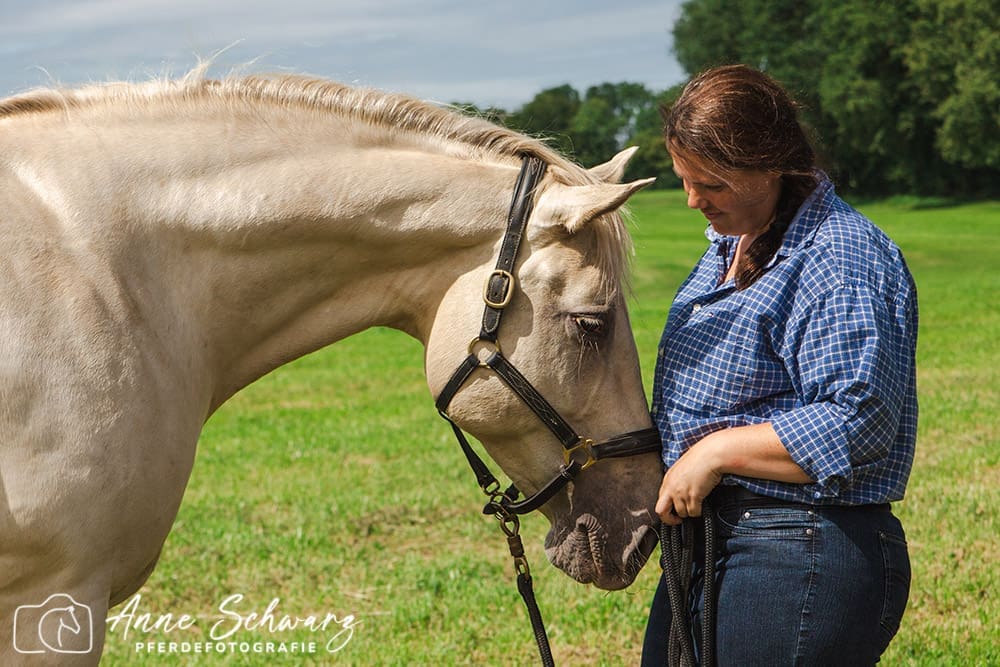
734	385
732	378
699	362
720	362
761	377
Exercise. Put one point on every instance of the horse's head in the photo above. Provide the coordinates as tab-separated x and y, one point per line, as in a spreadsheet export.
566	329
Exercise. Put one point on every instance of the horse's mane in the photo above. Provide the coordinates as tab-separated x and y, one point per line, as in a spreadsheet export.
387	110
476	136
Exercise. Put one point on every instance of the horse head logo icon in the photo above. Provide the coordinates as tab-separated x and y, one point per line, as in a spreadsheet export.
58	625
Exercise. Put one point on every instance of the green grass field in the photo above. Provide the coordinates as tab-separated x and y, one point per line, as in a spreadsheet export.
333	485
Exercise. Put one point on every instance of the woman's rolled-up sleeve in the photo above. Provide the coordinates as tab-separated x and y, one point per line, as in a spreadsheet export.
848	362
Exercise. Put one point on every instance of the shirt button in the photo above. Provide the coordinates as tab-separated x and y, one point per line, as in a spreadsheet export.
696	307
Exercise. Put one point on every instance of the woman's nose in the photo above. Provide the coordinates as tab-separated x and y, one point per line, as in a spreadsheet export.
695	200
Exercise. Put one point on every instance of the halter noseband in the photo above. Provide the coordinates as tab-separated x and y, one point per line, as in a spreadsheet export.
579	453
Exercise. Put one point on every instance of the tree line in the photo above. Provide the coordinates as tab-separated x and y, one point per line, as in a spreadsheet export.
900	96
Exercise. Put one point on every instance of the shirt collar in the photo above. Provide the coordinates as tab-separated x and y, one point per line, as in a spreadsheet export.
713	236
805	223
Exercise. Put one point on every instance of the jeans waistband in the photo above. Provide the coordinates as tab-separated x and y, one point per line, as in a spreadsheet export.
737	495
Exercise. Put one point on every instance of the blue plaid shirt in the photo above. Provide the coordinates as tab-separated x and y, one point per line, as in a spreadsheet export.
822	346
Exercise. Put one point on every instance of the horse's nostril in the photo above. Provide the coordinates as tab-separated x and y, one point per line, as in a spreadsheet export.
587	523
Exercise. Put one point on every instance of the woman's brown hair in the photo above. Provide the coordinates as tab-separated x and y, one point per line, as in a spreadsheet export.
737	118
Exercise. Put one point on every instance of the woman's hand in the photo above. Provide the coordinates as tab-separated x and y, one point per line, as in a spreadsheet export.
689	480
749	451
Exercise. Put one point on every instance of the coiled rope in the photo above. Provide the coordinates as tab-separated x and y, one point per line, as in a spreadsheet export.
676	559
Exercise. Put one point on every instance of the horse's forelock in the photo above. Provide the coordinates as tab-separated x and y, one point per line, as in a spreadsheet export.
614	248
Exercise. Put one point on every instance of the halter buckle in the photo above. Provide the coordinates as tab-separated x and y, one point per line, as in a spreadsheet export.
587	445
508	289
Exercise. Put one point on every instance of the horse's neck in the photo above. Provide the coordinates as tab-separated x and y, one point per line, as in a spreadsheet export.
260	249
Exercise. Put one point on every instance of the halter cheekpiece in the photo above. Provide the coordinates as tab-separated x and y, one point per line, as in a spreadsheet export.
579	452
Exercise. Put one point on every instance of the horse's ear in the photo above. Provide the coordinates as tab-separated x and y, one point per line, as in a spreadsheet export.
573	206
613	170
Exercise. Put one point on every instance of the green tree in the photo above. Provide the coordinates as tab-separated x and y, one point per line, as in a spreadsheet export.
953	57
592	132
903	96
607	120
773	35
652	159
876	127
627	101
549	115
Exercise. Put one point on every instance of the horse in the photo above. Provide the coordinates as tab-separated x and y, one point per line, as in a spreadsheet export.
167	243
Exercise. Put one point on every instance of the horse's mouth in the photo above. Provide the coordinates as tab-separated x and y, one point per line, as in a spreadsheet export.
642	546
583	554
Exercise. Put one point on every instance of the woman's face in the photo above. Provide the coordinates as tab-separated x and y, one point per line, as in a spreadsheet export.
736	203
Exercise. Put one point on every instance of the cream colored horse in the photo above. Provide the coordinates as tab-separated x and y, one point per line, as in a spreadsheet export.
166	244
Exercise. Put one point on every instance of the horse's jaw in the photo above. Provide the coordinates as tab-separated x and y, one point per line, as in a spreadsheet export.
583	549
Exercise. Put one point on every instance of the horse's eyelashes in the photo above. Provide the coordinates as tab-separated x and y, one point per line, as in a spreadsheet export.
590	326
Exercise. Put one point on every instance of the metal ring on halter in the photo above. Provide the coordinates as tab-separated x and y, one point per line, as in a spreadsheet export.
587	445
497	294
477	339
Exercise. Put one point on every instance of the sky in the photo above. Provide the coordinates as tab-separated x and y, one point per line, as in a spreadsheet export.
487	53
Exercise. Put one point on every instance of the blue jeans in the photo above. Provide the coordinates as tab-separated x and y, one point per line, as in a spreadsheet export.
795	585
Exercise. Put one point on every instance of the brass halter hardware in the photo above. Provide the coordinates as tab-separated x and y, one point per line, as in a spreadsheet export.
508	289
484	352
504	505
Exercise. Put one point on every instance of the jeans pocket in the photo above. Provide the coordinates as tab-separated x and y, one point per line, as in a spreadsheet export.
896	568
767	522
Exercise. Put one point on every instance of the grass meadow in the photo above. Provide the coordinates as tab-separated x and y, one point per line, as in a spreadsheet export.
333	486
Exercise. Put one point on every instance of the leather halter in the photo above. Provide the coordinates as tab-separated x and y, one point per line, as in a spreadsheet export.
579	452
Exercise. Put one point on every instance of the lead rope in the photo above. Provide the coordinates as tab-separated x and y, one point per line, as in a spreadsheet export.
676	557
709	607
504	505
511	525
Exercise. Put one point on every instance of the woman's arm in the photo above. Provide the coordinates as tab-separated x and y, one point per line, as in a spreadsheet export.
747	451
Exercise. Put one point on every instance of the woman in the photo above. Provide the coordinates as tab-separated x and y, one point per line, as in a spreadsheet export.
784	391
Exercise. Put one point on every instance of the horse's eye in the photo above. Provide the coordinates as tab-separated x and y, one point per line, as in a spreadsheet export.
590	326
